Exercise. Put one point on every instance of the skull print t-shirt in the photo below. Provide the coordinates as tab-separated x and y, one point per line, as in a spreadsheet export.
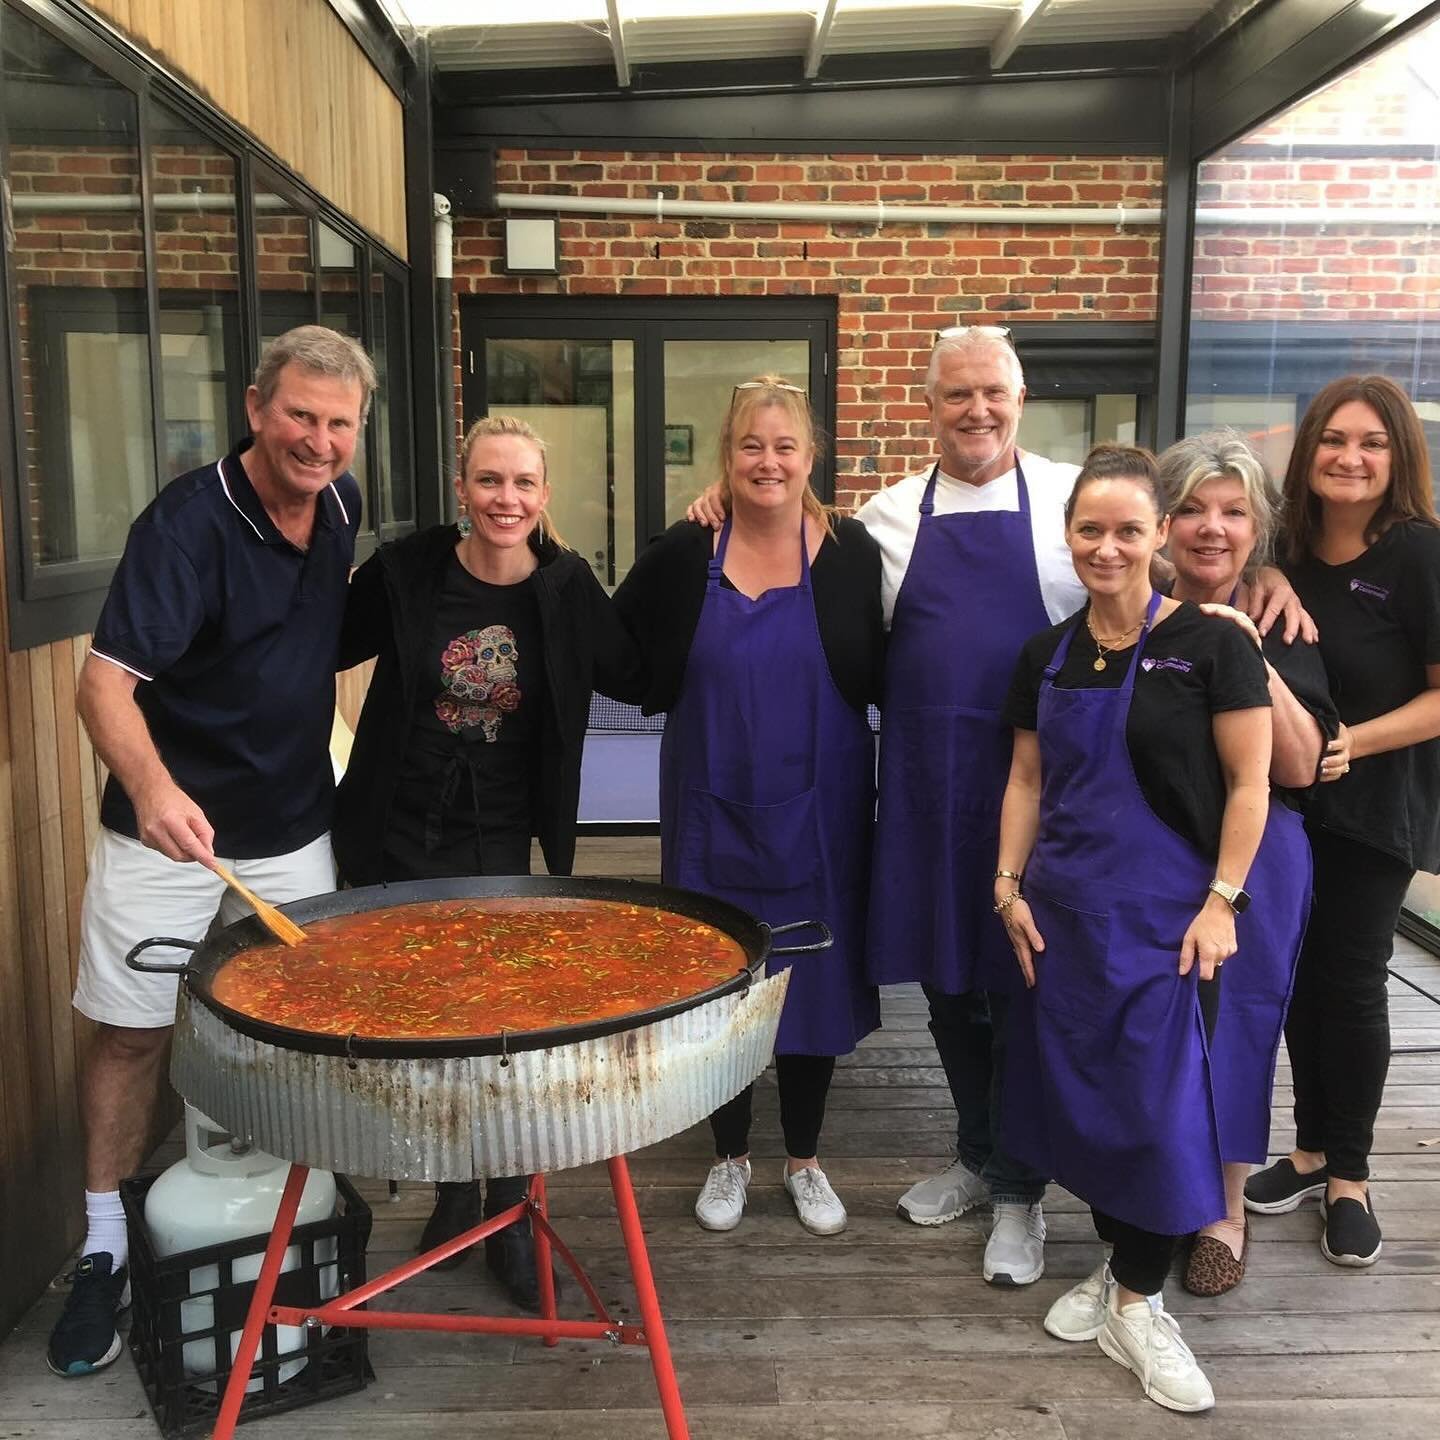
469	768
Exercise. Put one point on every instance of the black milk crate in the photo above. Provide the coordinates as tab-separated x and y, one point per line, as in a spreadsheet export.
337	1359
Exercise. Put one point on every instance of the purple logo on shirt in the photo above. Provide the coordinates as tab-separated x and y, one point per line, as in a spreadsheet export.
1364	587
1170	662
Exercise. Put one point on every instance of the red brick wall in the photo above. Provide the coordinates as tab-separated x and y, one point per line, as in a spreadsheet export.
894	286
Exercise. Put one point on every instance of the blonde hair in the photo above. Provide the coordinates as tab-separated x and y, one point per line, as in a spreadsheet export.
756	394
511	425
1222	455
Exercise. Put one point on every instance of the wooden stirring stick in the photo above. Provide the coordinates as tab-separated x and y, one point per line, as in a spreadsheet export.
282	927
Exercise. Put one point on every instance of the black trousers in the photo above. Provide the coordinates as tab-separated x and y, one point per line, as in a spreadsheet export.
1338	1030
969	1033
1140	1259
804	1084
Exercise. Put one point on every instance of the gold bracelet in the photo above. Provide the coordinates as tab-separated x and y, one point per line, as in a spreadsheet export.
1003	904
1007	875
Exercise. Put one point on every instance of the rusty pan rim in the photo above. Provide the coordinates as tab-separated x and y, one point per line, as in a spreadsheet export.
752	935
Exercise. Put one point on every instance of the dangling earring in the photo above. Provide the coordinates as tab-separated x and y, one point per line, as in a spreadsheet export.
540	526
464	524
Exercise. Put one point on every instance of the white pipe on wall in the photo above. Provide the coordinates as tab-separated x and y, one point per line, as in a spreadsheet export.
661	209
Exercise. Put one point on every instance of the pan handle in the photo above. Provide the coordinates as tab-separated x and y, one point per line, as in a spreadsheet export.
824	943
158	940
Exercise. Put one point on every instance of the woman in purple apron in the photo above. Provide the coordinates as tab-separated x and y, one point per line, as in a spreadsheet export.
765	651
1223	513
1137	799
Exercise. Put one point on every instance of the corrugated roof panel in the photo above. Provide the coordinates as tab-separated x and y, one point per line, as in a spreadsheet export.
517	47
913	27
655	34
716	37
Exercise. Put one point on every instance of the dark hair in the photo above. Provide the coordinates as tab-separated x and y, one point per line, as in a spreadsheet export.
1409	496
1117	462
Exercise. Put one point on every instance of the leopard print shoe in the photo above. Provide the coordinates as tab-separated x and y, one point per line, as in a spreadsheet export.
1212	1269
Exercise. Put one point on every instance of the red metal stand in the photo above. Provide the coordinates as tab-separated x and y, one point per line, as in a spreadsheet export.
342	1310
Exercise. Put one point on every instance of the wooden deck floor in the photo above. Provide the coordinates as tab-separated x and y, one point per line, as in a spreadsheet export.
886	1332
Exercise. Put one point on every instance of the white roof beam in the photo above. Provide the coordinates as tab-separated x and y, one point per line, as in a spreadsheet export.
1017	27
819	38
617	43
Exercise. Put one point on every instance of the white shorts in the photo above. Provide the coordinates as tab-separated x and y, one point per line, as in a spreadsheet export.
133	893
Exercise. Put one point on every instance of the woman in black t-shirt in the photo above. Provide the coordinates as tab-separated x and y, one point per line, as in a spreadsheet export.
1136	804
1362	548
490	636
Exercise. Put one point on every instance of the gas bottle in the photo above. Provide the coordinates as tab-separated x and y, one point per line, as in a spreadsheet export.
225	1189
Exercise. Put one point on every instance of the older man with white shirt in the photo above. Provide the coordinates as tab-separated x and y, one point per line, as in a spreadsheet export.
975	562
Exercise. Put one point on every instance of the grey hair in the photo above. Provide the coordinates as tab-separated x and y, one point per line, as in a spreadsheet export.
963	339
1226	454
323	351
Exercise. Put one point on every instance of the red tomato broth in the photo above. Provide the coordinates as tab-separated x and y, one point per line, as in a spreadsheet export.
451	968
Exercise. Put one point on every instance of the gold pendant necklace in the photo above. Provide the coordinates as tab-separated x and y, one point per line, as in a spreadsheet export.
1108	645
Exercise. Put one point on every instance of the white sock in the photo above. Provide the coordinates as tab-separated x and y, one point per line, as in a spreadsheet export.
105	1226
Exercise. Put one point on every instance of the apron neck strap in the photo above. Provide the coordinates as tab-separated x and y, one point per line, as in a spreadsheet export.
1063	648
717	557
927	500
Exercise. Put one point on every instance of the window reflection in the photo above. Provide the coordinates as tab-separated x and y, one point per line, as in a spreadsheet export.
1316	251
284	271
340	310
197	269
389	344
82	338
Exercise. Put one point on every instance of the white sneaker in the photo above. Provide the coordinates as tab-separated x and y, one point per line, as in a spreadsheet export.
956	1189
722	1197
1079	1314
1145	1339
1015	1251
817	1205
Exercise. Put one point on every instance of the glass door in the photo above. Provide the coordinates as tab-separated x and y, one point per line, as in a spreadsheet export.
629	397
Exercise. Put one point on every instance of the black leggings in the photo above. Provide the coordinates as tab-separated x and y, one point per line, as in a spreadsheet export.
1140	1259
1338	1031
804	1082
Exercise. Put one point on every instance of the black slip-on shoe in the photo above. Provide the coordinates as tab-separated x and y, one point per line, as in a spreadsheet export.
1281	1188
85	1338
457	1209
1352	1233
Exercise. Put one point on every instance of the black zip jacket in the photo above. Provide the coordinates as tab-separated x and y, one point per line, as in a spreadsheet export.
388	614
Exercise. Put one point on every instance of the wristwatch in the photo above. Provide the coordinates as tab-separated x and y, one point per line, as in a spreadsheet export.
1236	898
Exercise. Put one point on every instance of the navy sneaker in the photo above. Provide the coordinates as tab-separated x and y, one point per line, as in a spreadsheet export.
85	1338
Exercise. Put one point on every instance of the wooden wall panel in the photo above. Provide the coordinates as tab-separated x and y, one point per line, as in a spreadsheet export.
289	72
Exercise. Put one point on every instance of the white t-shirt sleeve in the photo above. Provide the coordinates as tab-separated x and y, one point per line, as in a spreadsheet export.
893	518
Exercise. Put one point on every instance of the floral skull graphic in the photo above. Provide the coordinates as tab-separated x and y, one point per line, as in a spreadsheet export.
478	670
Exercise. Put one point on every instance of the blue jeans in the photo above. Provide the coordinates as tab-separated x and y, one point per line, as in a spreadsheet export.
969	1033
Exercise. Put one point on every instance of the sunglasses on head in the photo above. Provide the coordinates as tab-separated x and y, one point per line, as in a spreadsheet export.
991	332
770	385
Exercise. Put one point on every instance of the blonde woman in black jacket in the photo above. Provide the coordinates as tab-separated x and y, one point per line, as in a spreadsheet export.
489	636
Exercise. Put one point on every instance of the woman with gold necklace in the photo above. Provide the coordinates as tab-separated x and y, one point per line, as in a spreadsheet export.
1138	795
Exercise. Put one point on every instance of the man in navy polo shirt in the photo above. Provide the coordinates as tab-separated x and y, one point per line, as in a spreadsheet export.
208	692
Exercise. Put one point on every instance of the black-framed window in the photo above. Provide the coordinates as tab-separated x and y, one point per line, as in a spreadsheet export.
150	247
1086	383
629	394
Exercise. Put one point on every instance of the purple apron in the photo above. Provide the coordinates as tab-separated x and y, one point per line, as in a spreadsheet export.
767	795
1255	993
969	601
1107	1079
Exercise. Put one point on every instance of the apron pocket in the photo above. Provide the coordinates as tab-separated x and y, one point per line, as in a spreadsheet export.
764	849
1072	975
